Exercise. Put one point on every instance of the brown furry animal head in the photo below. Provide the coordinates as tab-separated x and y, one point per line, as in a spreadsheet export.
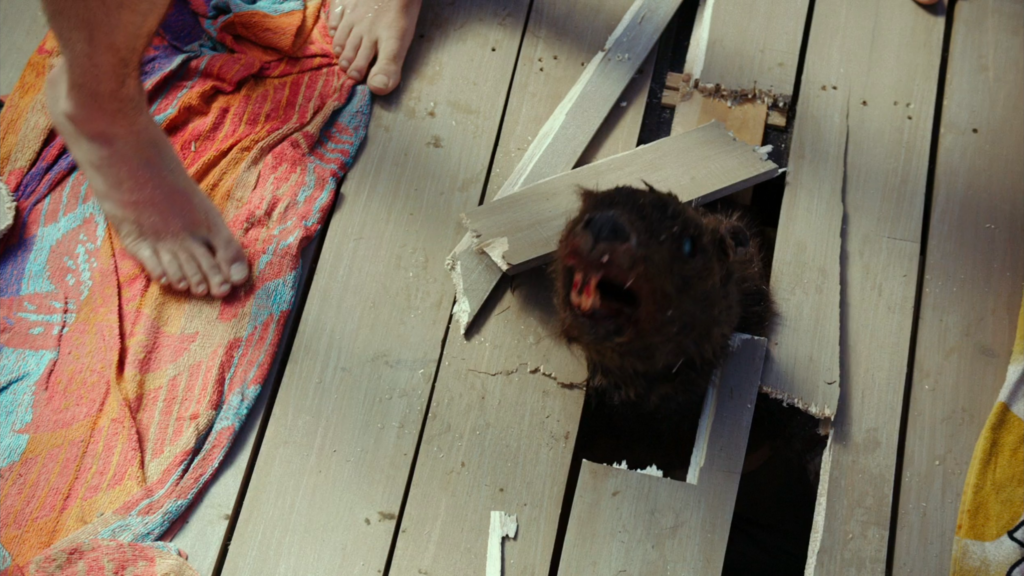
651	289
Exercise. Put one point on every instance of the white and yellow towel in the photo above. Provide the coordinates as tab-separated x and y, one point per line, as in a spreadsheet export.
990	528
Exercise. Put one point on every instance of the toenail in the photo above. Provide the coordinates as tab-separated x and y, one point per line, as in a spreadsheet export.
380	81
343	63
337	51
201	288
239	272
163	280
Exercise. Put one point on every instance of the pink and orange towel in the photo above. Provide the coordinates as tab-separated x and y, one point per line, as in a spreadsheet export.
118	399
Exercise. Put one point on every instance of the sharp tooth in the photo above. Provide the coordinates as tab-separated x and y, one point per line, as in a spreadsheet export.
577	281
591	297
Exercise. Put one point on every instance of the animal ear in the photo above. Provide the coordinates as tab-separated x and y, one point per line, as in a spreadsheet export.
586	195
735	238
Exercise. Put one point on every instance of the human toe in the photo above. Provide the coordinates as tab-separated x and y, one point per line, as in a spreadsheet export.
150	261
174	274
367	50
387	72
341	39
230	258
219	286
197	283
348	55
334	15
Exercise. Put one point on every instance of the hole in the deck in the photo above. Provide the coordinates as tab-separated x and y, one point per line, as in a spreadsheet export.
774	510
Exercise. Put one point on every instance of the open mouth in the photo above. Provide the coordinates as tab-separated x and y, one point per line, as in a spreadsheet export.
594	293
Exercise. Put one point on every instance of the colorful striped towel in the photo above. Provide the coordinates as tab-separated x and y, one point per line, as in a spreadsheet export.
118	399
990	528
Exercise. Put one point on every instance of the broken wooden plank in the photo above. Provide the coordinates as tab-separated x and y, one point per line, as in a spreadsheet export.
576	119
626	522
974	270
885	154
555	50
744	55
752	44
8	208
522	230
676	81
335	461
565	135
746	121
500	436
802	368
502	526
777	118
504	382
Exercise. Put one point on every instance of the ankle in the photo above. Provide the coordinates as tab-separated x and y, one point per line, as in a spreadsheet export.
94	111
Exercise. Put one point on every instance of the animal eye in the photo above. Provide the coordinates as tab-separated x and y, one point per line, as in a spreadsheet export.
688	245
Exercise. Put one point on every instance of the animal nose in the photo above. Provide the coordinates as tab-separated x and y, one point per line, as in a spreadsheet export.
606	227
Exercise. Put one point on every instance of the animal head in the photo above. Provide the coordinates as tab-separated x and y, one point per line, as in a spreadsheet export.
640	274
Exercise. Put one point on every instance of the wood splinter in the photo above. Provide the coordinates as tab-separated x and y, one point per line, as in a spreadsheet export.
502	526
521	231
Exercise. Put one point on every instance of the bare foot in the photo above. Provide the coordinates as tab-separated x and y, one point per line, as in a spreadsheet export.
162	217
363	29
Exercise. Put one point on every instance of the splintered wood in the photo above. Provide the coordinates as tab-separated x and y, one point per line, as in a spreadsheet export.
872	114
626	522
803	357
502	526
507	401
743	56
565	136
746	121
522	230
7	209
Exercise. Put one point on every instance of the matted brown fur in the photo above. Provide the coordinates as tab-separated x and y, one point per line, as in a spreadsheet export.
675	283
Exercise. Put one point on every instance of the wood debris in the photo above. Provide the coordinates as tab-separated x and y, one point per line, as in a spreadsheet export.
521	231
7	209
502	526
565	135
651	470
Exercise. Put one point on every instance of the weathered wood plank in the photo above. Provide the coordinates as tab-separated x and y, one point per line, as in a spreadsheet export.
572	125
22	27
204	525
336	457
566	134
503	382
522	230
625	522
742	45
752	44
889	102
973	276
556	49
500	436
803	357
745	120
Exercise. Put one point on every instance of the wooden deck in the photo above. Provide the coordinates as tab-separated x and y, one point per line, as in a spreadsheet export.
385	438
